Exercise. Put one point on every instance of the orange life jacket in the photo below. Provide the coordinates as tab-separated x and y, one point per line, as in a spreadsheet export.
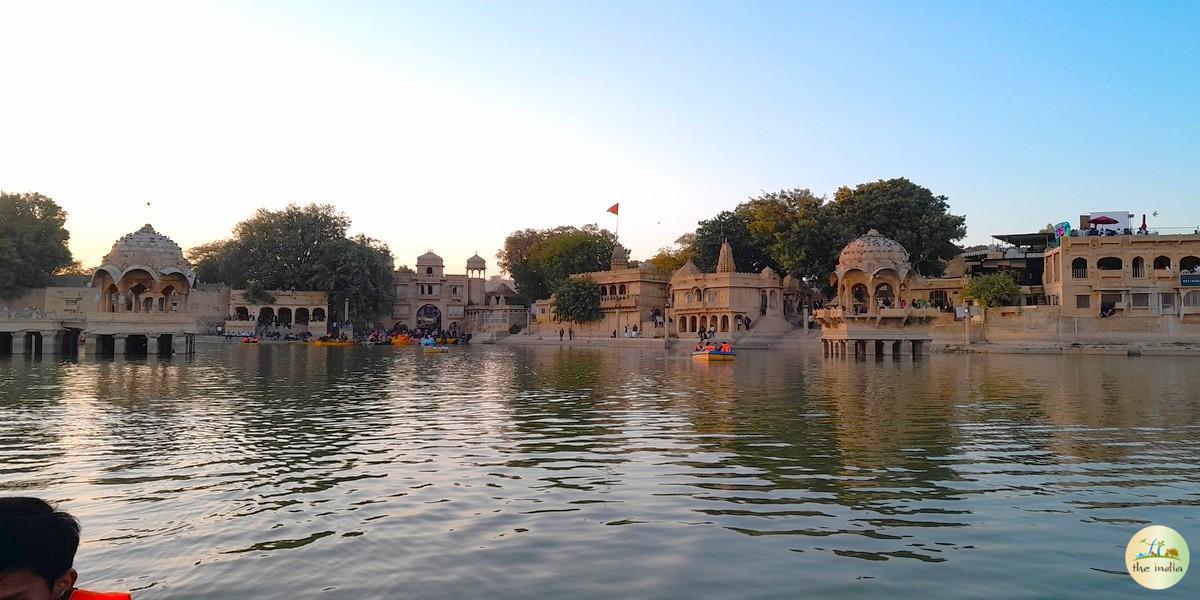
78	594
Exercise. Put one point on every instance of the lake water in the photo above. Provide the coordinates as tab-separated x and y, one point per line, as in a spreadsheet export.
283	471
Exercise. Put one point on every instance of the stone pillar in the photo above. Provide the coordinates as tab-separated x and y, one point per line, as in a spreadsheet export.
18	343
52	342
93	345
879	348
897	348
119	342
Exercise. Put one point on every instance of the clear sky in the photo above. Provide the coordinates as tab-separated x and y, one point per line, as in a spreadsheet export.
446	125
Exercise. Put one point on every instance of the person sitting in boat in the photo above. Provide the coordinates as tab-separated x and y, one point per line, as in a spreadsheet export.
37	553
725	347
699	346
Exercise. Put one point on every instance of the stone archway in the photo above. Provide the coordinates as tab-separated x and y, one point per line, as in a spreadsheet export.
429	318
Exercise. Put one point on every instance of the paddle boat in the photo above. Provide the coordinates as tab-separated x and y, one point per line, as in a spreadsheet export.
334	343
401	340
250	340
714	352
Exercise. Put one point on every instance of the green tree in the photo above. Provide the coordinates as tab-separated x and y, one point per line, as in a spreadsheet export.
578	300
907	213
302	248
799	231
993	289
670	258
539	260
33	242
750	253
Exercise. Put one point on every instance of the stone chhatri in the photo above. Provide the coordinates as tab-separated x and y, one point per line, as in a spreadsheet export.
148	250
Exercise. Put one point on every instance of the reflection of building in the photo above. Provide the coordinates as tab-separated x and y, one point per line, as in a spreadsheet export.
727	301
874	302
1125	276
430	299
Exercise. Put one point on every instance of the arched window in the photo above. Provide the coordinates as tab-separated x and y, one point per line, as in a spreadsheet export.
1162	263
1079	268
621	290
1109	263
693	324
148	305
724	322
1189	264
774	299
285	316
704	323
884	296
241	313
302	316
1139	267
318	314
429	270
266	315
682	324
938	299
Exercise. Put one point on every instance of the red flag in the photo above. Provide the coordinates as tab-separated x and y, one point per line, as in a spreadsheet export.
615	208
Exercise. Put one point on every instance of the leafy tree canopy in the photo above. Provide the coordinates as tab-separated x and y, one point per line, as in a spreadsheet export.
302	248
993	289
750	252
540	260
907	213
578	300
670	258
33	242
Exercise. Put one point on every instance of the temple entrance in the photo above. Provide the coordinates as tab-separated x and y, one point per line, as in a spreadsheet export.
429	318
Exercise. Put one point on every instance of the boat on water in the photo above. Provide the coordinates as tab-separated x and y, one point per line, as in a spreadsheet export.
401	340
713	356
435	349
249	340
334	343
714	352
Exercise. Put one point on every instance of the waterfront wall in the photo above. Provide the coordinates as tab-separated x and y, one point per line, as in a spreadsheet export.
1047	325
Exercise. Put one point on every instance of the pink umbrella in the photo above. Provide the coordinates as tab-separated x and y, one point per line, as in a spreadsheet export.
1103	220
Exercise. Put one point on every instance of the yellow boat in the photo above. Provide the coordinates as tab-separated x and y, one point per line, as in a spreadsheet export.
334	343
401	340
713	356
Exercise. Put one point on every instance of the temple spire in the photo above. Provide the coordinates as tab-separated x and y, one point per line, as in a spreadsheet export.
725	262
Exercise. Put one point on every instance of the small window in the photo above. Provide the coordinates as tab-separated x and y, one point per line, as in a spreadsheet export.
429	270
1110	298
1192	299
1083	301
1140	300
1168	300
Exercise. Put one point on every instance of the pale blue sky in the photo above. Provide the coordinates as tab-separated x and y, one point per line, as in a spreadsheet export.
446	125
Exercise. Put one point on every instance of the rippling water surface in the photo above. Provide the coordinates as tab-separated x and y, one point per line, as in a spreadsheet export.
291	471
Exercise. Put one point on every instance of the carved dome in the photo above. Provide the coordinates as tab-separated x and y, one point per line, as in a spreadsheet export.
475	262
147	250
769	274
873	252
429	259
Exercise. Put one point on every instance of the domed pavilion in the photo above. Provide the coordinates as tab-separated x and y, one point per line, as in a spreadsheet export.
144	272
873	272
873	280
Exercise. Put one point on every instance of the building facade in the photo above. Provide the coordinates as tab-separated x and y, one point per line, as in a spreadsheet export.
430	299
1125	276
727	302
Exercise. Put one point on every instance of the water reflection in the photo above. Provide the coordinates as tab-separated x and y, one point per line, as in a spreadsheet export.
519	472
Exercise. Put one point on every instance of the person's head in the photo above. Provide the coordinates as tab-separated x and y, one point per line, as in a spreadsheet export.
38	551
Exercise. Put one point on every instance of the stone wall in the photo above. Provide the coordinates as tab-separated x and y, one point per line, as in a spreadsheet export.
1046	325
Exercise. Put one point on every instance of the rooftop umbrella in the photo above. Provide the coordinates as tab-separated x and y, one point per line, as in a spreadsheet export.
1103	220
